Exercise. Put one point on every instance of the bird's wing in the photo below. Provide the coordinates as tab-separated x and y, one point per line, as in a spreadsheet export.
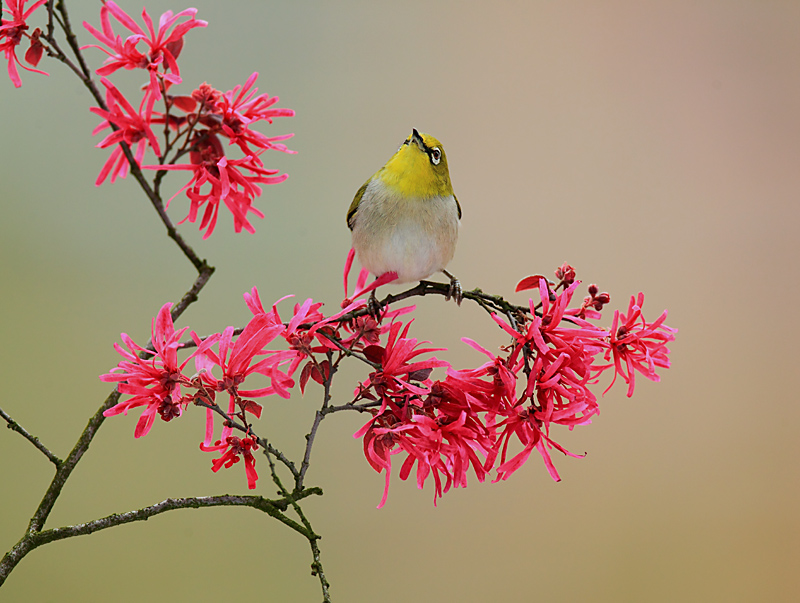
351	212
458	205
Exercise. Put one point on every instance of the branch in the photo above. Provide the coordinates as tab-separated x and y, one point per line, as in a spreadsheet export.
313	537
14	426
70	34
318	416
357	407
66	467
490	303
347	351
84	75
274	508
191	295
64	471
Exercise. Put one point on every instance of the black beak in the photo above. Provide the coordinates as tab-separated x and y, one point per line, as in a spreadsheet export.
416	138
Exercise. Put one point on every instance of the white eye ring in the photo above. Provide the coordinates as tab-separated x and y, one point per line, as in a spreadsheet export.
436	155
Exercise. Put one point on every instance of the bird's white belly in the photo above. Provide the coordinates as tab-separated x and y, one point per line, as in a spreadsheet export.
414	238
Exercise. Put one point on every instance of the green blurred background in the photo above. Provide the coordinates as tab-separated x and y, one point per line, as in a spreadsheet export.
655	146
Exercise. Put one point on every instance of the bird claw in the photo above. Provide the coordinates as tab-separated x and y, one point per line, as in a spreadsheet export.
374	307
454	291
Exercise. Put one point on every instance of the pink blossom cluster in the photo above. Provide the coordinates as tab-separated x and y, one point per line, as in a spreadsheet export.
195	124
193	127
156	380
14	31
482	419
542	378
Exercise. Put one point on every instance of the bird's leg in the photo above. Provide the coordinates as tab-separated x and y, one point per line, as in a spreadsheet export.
374	306
455	288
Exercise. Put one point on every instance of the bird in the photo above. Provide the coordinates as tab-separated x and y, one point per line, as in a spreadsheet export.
405	218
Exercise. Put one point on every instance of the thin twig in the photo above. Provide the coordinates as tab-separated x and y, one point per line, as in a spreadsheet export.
191	295
318	416
313	537
71	39
348	351
14	426
357	407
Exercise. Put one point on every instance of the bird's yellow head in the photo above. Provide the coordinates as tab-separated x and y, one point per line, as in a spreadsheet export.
418	168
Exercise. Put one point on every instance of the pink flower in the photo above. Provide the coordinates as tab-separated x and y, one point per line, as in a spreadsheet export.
399	379
526	424
493	395
162	50
445	447
235	448
439	444
236	359
236	182
155	380
132	129
229	180
309	333
637	345
11	33
387	277
240	107
440	437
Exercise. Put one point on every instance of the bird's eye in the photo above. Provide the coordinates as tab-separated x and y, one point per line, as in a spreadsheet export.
436	155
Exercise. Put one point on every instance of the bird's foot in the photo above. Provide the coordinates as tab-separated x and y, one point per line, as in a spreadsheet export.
374	307
455	290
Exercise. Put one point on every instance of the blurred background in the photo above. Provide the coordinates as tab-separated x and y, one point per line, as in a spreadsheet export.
654	146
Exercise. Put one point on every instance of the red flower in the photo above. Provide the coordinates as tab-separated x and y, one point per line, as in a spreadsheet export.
155	380
162	49
439	441
387	277
240	107
234	448
233	181
236	358
637	345
229	181
237	361
527	426
440	445
132	129
399	380
11	33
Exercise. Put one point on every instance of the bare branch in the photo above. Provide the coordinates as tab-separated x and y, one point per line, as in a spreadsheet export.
313	537
14	426
318	416
274	508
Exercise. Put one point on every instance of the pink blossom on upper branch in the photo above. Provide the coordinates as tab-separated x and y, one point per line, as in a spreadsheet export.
12	31
240	107
162	50
234	182
211	115
131	128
